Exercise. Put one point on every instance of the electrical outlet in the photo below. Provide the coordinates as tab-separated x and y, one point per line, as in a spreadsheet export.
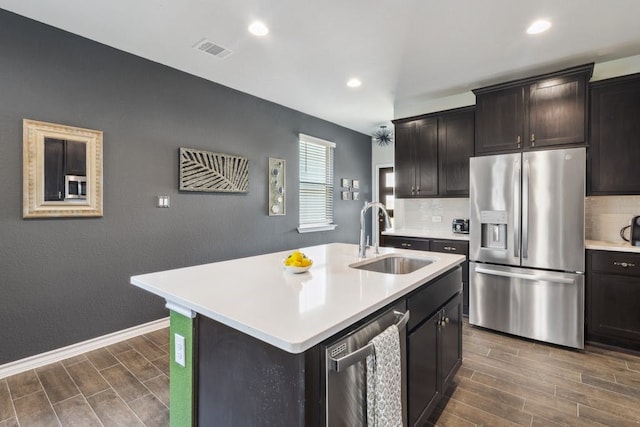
179	350
436	218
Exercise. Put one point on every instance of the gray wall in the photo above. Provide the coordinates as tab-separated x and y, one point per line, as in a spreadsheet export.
63	281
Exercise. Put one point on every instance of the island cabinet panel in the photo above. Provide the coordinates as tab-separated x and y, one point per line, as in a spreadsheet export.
242	380
613	298
434	344
544	111
614	133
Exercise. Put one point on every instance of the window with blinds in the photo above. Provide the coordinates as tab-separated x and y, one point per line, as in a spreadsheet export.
316	184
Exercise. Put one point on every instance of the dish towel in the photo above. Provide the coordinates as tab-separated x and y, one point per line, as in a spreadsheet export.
384	380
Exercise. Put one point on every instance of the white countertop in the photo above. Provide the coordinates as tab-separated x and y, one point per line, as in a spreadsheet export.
412	232
611	246
293	312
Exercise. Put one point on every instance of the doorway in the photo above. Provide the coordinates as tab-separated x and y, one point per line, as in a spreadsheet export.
386	183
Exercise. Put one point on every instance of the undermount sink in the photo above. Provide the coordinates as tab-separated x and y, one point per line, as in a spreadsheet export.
394	265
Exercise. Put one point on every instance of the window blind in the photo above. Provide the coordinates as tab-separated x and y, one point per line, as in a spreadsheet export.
316	182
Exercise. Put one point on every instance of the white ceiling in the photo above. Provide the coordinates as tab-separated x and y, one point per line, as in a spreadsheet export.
402	50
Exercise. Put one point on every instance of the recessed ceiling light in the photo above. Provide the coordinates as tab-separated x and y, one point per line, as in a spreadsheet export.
258	28
354	82
539	26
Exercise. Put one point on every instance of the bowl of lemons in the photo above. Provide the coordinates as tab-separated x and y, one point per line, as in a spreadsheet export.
297	262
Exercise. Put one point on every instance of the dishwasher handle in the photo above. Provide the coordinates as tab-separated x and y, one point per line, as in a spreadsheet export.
342	363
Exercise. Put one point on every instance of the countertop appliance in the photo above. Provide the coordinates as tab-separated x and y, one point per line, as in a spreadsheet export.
460	226
346	370
526	245
634	232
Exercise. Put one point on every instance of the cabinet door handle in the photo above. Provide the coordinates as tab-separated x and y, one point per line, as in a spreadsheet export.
418	190
533	140
624	264
449	248
406	245
413	190
518	141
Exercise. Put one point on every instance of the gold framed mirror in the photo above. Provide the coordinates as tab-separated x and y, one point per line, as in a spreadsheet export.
62	171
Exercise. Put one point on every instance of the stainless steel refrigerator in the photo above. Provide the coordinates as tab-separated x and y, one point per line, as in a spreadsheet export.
526	244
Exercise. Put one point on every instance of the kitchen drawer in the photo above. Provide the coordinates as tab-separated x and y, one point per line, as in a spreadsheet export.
450	246
407	243
424	302
624	263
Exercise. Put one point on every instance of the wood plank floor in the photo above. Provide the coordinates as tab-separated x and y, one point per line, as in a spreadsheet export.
503	381
124	384
507	381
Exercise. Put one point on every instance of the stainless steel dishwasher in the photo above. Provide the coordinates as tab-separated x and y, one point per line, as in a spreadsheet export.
346	370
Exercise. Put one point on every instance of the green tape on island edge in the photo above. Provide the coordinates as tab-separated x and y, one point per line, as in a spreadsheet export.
181	391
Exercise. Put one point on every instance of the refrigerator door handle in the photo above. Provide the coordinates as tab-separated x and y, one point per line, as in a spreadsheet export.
525	209
534	277
516	209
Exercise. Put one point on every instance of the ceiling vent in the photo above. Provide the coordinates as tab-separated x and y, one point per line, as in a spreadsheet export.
210	47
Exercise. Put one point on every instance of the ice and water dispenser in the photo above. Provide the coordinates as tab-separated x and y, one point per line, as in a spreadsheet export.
493	229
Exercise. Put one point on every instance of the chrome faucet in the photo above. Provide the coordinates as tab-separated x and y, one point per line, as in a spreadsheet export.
362	247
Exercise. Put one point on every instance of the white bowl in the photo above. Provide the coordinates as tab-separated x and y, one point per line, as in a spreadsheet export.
296	270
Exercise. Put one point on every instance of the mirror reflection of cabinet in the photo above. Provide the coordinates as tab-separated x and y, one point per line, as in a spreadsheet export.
62	171
53	169
75	158
63	159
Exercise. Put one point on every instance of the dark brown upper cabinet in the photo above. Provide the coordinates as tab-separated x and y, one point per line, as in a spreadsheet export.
538	112
416	158
432	154
455	147
614	150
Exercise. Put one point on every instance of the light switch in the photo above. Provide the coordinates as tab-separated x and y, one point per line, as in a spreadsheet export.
179	346
163	201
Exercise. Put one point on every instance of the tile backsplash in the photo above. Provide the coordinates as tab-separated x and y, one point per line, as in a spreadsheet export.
422	214
606	215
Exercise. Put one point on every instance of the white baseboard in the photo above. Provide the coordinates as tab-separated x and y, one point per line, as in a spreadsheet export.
59	354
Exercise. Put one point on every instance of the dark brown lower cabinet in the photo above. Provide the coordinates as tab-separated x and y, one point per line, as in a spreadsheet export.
434	346
613	298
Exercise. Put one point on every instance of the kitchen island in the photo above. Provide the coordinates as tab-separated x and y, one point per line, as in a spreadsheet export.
253	331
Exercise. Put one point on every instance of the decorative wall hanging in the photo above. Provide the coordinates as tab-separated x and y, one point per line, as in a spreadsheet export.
276	187
383	136
352	187
213	172
61	171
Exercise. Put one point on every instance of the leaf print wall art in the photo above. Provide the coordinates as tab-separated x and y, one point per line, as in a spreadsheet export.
213	172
